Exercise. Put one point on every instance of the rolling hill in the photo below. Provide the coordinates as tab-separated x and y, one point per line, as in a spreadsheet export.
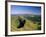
33	22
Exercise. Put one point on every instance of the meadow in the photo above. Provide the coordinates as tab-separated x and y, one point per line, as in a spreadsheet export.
33	22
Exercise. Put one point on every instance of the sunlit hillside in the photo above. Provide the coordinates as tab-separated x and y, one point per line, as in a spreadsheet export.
32	23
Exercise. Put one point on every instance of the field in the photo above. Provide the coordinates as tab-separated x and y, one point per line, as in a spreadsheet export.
33	22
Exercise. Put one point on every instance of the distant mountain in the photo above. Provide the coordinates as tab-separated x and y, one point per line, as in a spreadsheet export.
24	15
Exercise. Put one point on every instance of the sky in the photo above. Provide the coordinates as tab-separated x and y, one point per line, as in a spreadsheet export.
16	9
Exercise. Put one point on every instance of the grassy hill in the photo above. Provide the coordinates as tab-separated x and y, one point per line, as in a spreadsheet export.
32	23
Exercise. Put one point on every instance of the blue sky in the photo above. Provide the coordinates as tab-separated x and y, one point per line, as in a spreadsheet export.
16	9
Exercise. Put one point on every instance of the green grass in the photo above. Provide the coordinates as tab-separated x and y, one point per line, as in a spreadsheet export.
28	26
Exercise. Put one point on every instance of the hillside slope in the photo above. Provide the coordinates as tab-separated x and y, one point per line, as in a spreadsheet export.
28	26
